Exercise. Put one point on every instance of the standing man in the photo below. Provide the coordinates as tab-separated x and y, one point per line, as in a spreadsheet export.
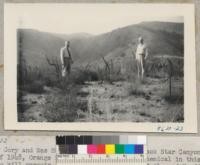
66	59
141	55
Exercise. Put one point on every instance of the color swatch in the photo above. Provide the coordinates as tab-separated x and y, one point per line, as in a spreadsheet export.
129	149
122	139
101	149
91	149
110	149
119	148
99	145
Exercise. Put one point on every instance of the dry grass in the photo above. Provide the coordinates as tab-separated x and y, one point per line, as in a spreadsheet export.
135	88
63	107
173	114
66	106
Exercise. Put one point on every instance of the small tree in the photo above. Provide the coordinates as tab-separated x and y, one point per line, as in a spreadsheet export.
107	69
165	64
54	62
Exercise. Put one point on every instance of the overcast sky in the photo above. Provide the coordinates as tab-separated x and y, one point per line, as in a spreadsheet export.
88	18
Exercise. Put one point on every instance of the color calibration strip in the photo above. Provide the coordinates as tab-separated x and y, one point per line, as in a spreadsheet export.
100	144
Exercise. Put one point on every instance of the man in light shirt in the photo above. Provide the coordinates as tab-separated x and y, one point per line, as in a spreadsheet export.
66	59
141	55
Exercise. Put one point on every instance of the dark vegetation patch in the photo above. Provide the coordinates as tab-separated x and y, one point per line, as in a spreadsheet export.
174	99
65	105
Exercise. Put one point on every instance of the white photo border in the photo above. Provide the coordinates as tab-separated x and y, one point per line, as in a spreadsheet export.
190	96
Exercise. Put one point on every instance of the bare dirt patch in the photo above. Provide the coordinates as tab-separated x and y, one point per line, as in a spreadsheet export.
132	102
120	101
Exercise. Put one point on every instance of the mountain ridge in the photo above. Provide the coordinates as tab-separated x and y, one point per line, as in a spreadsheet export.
161	38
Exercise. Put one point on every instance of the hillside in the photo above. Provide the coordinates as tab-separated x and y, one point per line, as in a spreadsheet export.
96	93
36	45
161	38
169	27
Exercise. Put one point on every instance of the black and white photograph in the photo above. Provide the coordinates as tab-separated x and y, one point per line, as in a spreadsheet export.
99	64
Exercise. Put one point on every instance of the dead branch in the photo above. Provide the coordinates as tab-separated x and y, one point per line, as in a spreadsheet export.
107	68
55	64
87	67
106	63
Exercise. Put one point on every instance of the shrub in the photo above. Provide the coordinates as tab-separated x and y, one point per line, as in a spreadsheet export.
175	114
60	109
135	89
36	86
50	81
137	92
81	76
64	106
174	99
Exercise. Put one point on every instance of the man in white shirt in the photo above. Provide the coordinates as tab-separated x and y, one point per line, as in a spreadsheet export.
141	55
66	59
